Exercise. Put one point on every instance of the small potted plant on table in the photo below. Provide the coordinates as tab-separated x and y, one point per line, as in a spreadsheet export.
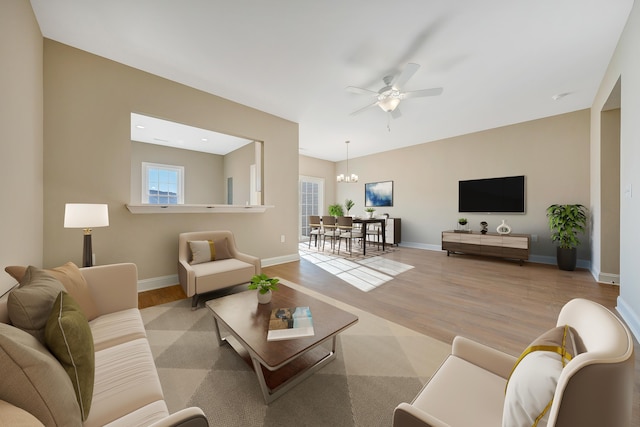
265	286
462	225
348	204
369	212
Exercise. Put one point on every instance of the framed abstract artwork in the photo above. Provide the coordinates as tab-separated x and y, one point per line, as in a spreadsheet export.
378	194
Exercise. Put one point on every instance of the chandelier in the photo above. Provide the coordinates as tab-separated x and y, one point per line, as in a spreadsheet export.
348	178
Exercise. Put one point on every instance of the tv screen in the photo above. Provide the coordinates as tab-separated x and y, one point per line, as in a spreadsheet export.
492	195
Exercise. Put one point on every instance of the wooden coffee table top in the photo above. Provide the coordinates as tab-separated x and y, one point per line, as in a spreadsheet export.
249	321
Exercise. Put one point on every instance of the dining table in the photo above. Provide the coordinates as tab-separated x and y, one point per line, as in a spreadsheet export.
367	221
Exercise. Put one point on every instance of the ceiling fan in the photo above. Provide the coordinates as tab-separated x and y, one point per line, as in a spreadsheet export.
388	98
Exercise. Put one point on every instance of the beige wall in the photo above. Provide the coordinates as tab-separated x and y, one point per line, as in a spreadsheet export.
21	95
610	195
624	66
317	168
553	154
88	101
204	172
237	166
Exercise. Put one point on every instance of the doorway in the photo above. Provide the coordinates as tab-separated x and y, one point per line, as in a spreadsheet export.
311	197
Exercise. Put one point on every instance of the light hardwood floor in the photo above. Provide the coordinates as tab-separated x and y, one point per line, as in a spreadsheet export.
493	301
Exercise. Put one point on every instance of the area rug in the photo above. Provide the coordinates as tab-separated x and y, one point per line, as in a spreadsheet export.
379	364
363	272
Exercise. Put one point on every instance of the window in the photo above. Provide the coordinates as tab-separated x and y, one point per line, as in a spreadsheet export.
162	184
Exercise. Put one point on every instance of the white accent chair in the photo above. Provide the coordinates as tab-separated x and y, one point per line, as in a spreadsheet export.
594	389
214	275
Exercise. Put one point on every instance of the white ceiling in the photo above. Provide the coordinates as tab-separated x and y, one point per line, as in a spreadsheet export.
499	61
171	134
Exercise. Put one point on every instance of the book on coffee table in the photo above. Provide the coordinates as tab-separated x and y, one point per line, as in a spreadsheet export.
288	323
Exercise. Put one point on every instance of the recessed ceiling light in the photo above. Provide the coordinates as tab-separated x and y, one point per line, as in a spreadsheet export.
140	126
204	139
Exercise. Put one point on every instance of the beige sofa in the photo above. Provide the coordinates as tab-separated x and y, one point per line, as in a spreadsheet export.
593	389
198	278
126	389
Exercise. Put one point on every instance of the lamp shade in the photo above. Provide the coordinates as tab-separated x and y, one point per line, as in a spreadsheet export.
85	215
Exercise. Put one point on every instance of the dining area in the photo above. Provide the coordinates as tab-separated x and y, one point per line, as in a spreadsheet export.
354	232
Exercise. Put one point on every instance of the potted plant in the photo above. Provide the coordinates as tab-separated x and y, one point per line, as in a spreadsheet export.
336	210
369	212
348	204
265	286
462	222
565	221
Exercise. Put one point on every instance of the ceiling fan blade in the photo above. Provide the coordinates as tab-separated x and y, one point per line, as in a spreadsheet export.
424	92
361	91
396	114
364	108
404	76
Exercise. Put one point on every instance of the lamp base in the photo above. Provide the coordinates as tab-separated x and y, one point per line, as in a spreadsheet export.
87	253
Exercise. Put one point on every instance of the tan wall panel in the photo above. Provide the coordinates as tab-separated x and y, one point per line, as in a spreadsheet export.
21	98
88	101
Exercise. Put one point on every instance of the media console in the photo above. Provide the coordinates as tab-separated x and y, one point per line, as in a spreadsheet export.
513	246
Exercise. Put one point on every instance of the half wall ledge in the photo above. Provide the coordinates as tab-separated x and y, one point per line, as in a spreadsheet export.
209	209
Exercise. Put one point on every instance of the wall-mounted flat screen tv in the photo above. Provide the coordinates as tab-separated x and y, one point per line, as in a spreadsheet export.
505	194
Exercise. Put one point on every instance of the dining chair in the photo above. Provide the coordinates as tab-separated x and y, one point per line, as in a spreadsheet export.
315	229
373	233
347	232
329	229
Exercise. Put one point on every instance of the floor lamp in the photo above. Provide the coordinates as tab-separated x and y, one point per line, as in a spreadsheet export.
86	216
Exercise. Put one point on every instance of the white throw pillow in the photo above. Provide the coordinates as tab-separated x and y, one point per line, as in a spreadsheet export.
532	384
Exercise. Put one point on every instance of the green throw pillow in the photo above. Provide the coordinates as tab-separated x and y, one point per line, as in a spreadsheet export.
69	338
29	305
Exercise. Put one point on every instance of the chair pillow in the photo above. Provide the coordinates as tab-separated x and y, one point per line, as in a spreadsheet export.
73	281
32	379
29	305
69	338
532	383
208	250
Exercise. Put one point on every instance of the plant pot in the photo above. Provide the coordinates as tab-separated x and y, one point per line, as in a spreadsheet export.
369	215
264	298
567	258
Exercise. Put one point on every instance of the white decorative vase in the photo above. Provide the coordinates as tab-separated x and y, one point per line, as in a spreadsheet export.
264	298
503	228
369	215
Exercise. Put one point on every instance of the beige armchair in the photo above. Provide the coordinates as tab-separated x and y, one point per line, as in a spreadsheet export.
199	278
594	389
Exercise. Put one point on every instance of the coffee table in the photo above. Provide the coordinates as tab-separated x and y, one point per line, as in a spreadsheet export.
279	365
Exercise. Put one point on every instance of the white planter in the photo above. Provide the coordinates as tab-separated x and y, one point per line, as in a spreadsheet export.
264	298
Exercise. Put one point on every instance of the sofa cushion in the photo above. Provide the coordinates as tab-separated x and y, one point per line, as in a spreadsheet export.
68	336
532	383
115	328
29	305
126	380
463	394
208	250
32	379
73	281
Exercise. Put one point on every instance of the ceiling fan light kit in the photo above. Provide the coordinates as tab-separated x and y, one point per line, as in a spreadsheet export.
348	178
388	98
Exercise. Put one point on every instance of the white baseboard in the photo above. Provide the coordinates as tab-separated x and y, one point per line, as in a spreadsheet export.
609	278
629	316
268	262
424	246
157	282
